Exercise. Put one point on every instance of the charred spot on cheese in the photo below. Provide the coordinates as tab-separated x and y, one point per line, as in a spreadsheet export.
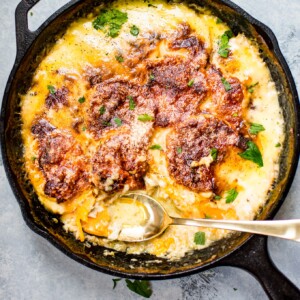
192	166
61	160
121	160
57	98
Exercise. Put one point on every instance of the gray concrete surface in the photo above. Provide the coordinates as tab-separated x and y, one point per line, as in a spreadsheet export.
31	268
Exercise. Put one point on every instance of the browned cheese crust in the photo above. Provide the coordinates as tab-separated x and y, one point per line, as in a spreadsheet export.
61	160
184	92
193	140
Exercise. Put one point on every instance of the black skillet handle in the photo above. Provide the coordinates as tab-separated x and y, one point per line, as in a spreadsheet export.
24	36
254	257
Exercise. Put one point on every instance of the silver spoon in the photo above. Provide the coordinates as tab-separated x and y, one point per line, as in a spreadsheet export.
158	220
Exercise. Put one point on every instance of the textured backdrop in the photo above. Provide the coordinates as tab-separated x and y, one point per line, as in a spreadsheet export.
31	268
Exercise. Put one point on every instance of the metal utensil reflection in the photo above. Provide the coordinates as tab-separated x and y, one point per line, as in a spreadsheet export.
158	221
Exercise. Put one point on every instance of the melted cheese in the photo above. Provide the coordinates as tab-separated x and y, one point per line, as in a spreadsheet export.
83	47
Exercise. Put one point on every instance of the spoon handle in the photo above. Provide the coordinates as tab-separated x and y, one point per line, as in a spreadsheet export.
286	229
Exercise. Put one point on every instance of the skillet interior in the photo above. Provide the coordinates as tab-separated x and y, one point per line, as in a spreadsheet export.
145	265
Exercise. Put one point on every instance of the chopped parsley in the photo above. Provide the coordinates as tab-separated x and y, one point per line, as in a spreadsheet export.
83	128
131	103
252	153
115	280
277	145
256	128
106	124
219	21
231	195
235	114
81	100
140	287
51	89
145	118
207	216
223	44
110	21
102	110
151	76
214	153
134	30
250	88
155	147
119	58
117	121
191	83
226	84
33	158
179	150
217	197
199	238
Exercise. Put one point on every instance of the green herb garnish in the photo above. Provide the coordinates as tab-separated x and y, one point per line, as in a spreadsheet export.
231	195
151	76
252	153
110	21
83	128
191	83
33	158
102	110
145	118
81	100
131	103
119	58
217	197
199	238
277	145
107	124
235	115
140	287
134	30
219	21
115	280
223	44
214	153
179	150
117	121
226	84
250	87
207	216
51	89
256	128
155	147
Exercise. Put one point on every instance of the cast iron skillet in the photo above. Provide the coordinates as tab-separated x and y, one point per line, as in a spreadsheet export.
251	252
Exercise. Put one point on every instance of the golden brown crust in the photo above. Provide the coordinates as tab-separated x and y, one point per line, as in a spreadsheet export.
61	160
194	140
111	101
226	104
182	91
120	160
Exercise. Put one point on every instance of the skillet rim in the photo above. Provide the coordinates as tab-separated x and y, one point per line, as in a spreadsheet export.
42	232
